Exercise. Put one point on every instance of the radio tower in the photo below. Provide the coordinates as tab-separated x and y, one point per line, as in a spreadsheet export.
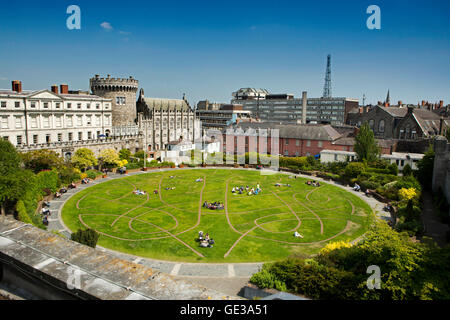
327	87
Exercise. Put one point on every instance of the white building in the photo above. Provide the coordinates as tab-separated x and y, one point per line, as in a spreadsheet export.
399	158
43	117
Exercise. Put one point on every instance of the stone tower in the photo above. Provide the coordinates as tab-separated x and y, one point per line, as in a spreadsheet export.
122	91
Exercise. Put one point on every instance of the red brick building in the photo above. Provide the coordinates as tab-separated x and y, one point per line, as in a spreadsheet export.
296	140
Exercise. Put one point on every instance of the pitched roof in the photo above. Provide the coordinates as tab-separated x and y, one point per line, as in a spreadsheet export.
166	104
295	131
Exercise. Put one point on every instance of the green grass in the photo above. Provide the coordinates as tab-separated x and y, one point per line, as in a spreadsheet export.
141	226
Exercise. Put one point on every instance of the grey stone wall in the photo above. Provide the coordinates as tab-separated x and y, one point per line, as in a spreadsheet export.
441	173
113	88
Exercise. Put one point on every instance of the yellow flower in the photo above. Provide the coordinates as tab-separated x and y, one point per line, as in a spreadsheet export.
407	194
334	246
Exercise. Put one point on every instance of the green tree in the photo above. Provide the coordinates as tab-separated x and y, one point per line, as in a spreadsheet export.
87	237
109	158
366	147
354	169
425	168
124	154
39	160
393	168
13	179
84	158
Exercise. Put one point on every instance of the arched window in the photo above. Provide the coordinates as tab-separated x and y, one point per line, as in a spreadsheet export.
371	123
381	126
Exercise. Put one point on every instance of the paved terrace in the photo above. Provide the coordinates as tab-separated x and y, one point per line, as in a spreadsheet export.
102	275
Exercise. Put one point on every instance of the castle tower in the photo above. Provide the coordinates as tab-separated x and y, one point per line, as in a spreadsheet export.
122	91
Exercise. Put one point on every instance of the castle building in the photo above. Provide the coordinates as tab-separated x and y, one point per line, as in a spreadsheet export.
122	92
163	121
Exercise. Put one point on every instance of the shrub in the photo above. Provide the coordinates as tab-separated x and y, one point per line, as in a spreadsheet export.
22	212
92	174
393	169
124	154
407	194
87	237
407	171
354	169
408	182
334	246
140	154
48	180
370	185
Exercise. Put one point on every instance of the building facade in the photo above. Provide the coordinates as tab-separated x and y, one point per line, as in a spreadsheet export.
162	121
40	119
288	109
222	116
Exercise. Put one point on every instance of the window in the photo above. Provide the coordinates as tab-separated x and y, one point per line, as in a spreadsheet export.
34	123
80	136
120	101
58	105
79	105
335	157
371	124
296	153
88	120
98	134
58	121
89	135
381	126
4	122
46	122
308	143
69	121
17	104
70	136
47	138
33	104
286	153
18	122
69	106
297	142
319	144
88	105
19	140
3	104
45	105
97	106
286	141
79	121
35	138
6	138
97	120
59	137
107	120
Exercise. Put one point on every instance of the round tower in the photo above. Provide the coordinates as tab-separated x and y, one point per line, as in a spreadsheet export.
122	91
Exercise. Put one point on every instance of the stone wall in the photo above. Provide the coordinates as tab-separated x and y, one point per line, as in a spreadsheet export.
441	173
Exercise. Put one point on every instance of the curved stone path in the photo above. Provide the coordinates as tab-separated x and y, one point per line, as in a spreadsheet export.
194	270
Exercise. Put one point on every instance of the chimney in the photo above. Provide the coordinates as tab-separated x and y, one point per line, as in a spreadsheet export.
55	89
399	103
410	109
64	88
441	104
423	103
441	126
304	99
17	86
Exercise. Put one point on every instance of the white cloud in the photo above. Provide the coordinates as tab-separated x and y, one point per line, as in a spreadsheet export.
125	33
107	26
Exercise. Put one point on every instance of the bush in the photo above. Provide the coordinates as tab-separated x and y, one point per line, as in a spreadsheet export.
407	171
369	185
48	180
69	174
22	213
140	154
87	237
354	169
93	174
393	169
408	182
124	154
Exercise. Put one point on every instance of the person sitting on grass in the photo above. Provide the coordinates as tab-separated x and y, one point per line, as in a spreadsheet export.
155	191
356	187
199	180
297	235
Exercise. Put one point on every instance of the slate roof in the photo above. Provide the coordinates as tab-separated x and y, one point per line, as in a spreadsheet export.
296	131
166	104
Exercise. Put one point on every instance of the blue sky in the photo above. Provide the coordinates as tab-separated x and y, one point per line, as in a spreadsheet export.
208	49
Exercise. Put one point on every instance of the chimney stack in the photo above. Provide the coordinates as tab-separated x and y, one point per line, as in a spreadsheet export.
399	103
441	104
55	89
64	88
17	86
423	103
304	99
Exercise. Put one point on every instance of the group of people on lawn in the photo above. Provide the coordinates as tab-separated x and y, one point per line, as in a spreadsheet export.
248	190
313	183
214	205
206	241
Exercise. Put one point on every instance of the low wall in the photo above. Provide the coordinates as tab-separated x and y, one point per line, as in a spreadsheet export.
48	266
